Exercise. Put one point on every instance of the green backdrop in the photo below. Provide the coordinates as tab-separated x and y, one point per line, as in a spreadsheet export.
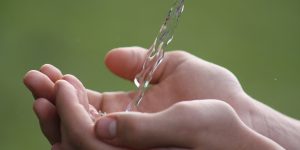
258	40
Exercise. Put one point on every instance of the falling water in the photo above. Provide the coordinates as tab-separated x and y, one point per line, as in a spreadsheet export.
155	54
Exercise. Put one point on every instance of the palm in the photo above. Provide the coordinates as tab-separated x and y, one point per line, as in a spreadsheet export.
187	79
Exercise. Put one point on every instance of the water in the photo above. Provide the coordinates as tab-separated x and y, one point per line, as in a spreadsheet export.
155	54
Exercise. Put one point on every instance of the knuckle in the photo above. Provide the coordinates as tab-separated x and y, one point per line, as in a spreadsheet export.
131	131
180	53
133	127
182	107
223	106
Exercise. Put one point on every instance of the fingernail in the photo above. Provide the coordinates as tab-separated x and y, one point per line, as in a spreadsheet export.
106	128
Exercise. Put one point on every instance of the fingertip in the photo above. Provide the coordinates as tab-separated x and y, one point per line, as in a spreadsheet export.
39	84
65	94
73	81
62	84
121	51
51	71
46	66
125	61
81	91
29	76
69	77
112	55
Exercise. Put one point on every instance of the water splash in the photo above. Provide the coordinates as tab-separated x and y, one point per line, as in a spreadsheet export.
155	54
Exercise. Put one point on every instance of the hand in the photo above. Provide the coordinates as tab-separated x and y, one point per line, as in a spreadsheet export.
174	81
41	84
76	125
181	76
134	130
198	124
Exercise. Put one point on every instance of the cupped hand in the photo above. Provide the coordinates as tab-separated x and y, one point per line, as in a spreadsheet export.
41	84
180	77
76	123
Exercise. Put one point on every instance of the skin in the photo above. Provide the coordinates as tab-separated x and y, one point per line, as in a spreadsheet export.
197	124
181	77
153	130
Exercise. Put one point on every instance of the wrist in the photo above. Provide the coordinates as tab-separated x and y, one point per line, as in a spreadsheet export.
274	125
254	140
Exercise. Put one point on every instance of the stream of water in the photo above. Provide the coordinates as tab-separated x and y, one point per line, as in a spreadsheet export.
155	53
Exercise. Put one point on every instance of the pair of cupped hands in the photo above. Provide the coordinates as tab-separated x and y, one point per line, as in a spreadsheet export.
191	104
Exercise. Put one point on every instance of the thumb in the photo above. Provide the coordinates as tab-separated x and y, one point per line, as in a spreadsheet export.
144	130
126	62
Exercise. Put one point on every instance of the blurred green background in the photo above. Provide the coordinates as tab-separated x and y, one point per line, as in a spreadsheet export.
258	40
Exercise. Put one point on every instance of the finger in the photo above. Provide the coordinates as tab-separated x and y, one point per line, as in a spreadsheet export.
56	146
39	84
73	115
81	91
76	122
144	130
48	118
52	72
127	62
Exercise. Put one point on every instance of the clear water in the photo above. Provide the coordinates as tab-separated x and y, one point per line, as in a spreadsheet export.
155	53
